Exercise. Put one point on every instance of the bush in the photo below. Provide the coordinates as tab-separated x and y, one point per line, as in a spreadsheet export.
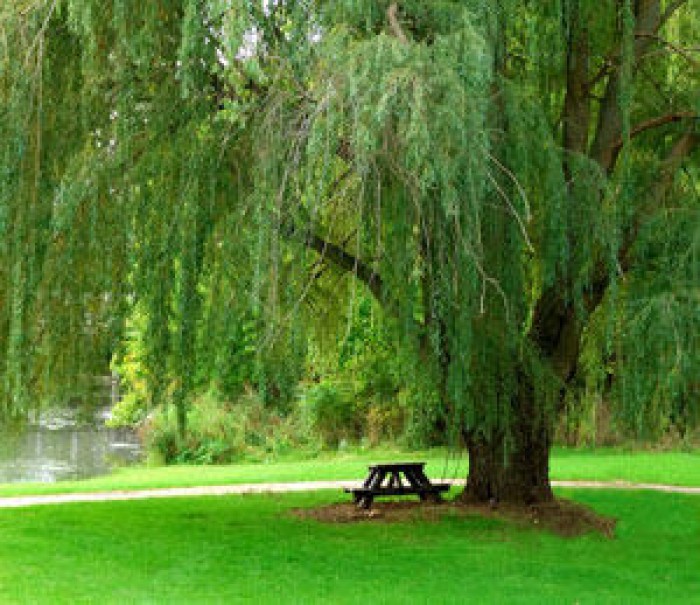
220	433
332	412
384	422
346	411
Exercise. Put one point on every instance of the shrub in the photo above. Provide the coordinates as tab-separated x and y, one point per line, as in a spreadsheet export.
332	412
384	422
220	433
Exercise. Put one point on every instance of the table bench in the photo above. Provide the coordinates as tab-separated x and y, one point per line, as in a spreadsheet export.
386	480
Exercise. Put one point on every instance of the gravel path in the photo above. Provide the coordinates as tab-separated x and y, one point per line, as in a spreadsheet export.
272	488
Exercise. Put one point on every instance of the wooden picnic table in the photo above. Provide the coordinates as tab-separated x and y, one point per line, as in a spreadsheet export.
386	480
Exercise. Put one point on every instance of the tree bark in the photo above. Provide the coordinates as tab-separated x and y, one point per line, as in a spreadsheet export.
512	468
605	148
577	110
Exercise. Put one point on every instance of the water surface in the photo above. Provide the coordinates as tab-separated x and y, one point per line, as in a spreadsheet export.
57	448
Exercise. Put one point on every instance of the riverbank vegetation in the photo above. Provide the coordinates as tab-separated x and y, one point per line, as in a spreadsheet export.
253	549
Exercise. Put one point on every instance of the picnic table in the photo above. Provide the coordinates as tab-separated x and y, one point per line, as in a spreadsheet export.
386	480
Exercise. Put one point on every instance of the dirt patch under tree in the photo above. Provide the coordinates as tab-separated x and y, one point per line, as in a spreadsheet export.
561	517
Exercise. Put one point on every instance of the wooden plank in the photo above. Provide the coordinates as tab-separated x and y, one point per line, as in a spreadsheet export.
398	466
399	491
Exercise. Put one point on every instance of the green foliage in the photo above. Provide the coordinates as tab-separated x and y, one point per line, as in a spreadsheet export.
333	413
184	185
369	388
220	433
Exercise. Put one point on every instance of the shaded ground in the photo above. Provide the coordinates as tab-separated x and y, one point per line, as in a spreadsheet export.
562	517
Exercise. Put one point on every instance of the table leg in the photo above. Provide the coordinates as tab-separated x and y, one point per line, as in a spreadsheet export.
419	480
370	478
414	481
365	502
373	481
414	478
378	479
420	476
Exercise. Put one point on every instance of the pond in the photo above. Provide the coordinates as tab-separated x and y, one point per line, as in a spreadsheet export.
57	447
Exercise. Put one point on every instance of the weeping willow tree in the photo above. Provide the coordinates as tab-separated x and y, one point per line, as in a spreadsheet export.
513	182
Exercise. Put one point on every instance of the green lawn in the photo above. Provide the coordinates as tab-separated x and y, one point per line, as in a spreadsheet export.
677	468
673	468
251	550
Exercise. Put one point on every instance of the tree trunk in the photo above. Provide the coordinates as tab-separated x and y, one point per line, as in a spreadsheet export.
513	467
521	477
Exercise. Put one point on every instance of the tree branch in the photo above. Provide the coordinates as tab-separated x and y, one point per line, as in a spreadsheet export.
612	59
556	327
346	261
685	146
670	10
683	52
391	14
653	123
340	258
577	101
648	21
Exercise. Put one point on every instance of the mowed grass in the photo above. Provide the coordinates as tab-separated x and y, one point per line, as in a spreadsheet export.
251	549
675	468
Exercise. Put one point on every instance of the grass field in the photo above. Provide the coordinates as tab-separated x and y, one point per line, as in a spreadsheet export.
675	468
252	550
